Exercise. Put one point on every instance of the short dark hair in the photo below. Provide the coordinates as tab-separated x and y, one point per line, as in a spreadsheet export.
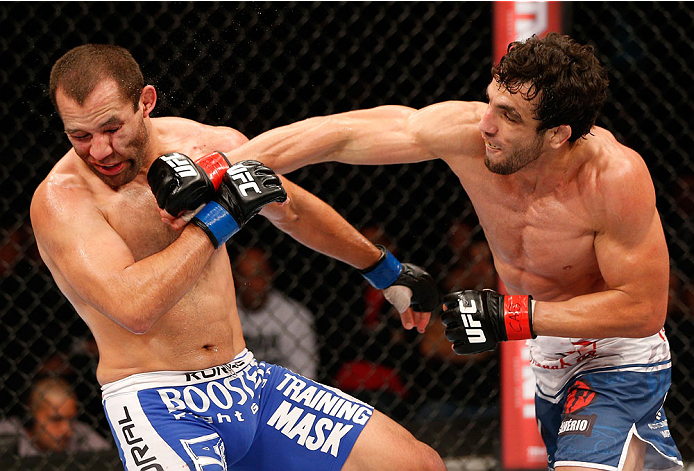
568	78
80	69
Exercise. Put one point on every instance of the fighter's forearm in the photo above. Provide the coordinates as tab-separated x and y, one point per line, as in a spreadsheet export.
151	287
610	313
311	221
290	147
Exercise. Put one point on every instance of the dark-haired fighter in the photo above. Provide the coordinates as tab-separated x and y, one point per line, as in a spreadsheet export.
570	216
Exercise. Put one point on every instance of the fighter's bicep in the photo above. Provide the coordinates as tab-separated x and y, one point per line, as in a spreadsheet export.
630	243
79	244
635	262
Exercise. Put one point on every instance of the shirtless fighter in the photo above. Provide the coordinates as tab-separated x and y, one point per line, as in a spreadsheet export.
570	216
180	390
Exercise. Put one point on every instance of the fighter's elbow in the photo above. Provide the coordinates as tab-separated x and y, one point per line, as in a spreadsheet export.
648	323
284	216
132	321
139	328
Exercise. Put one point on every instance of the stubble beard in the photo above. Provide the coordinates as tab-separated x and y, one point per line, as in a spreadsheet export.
518	159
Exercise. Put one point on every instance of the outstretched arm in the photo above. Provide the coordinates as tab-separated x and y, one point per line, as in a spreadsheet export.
311	221
382	135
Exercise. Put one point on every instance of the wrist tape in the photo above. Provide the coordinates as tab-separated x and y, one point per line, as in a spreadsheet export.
518	317
217	222
384	272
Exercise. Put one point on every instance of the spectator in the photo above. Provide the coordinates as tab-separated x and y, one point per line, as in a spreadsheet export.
52	426
76	363
277	328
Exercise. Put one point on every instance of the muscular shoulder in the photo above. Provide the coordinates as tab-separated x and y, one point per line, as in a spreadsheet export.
65	200
66	188
618	179
450	128
194	138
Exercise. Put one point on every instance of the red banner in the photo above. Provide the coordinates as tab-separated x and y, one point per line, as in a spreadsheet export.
521	445
520	20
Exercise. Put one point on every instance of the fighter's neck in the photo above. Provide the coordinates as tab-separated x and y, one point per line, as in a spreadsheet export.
549	171
156	145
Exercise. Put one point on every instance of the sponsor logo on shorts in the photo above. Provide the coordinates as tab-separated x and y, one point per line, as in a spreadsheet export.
657	425
316	433
218	394
580	395
660	422
587	350
577	425
229	369
134	445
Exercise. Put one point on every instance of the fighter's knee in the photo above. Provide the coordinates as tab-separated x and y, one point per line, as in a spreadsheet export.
430	460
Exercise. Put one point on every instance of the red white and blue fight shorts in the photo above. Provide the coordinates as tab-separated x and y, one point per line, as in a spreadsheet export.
242	415
601	412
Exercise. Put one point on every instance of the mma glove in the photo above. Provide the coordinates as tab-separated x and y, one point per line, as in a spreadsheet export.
388	273
180	184
477	320
246	187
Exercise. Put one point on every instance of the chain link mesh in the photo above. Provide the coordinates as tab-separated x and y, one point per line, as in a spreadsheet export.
255	66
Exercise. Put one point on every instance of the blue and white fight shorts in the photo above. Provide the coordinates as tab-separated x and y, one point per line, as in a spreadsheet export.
600	413
242	415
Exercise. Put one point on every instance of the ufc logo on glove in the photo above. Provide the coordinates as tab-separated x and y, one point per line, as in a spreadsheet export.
477	320
181	164
240	172
473	328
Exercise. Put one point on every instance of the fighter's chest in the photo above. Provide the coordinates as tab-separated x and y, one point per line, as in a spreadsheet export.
544	235
133	213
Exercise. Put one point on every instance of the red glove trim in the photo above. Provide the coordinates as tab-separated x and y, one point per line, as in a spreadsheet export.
215	164
518	317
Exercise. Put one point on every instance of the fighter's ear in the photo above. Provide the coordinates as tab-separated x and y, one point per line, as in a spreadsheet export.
559	135
148	99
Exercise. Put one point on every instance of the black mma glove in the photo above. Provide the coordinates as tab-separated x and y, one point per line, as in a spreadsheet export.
477	320
180	184
388	272
247	187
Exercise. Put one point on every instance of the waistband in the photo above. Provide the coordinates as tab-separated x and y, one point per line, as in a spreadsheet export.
155	379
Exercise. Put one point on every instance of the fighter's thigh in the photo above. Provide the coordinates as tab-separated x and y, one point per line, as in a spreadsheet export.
152	438
385	445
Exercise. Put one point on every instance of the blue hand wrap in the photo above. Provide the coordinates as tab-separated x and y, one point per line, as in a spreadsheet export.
386	271
217	223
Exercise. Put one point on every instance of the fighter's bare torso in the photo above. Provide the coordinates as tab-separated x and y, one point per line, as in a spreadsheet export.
542	222
202	329
542	243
